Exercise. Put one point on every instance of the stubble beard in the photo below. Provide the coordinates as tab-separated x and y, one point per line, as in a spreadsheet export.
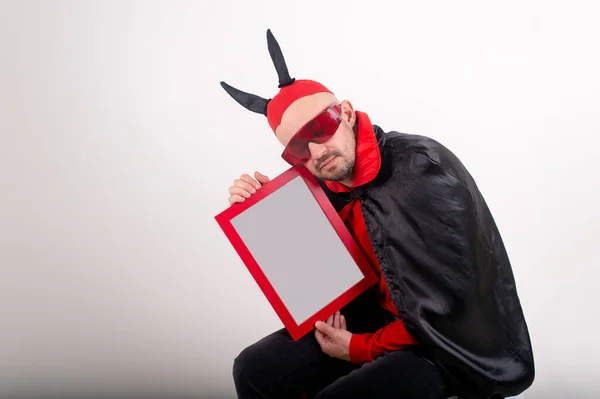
342	173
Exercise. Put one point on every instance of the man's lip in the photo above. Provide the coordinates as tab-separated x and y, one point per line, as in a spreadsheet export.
328	162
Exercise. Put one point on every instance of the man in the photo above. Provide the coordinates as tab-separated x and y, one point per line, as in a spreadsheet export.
445	318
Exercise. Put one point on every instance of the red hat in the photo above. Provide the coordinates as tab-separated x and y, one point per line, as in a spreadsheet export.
290	89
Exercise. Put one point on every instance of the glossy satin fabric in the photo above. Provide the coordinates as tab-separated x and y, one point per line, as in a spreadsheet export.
445	265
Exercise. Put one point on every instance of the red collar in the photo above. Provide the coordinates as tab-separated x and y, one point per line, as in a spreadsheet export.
368	158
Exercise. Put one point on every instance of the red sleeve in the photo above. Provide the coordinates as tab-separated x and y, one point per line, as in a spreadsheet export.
366	347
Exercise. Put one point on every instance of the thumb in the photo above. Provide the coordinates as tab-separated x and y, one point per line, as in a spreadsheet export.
262	179
325	328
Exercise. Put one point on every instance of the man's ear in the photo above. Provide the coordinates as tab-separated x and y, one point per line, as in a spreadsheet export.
348	113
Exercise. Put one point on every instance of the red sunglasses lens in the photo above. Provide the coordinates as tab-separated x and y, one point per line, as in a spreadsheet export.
319	130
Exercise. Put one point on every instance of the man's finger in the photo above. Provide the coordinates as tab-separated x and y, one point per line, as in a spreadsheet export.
262	179
233	190
336	320
318	335
235	199
246	177
321	338
329	320
243	184
343	322
326	329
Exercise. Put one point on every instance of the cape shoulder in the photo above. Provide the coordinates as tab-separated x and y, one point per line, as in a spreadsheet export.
408	147
447	264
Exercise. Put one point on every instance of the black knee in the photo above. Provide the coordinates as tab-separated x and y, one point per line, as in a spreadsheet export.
251	371
242	367
264	368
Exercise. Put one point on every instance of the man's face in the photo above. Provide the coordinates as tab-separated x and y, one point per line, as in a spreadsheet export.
334	159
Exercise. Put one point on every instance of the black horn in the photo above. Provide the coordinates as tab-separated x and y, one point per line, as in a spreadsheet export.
278	61
249	101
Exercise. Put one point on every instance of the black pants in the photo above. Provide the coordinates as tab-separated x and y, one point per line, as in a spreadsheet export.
279	367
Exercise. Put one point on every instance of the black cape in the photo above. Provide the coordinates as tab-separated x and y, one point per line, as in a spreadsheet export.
445	266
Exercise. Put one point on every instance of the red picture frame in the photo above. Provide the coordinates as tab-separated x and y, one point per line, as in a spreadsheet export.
297	331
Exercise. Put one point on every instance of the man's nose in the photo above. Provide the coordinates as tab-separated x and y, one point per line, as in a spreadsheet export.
316	150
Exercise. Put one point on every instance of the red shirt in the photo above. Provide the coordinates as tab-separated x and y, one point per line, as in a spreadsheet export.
366	347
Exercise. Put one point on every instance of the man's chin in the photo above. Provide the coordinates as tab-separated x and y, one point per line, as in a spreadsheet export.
334	176
336	173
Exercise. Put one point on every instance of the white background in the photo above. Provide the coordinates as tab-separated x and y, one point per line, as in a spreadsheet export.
118	145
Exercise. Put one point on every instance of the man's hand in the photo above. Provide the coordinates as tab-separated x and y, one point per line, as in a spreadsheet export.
333	337
245	186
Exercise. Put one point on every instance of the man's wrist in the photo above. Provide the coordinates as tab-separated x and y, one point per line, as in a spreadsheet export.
359	348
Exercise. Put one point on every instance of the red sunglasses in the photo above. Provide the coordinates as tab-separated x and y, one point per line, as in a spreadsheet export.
319	130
